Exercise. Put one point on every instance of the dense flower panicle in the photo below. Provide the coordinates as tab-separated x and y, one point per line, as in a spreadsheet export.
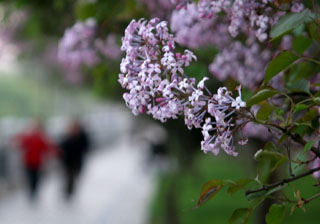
194	32
218	133
153	74
257	16
79	46
245	63
150	58
76	46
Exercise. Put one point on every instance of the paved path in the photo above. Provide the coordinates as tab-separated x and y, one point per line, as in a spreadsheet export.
115	188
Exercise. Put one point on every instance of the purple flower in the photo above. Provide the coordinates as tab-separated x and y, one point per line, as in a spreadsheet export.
245	63
153	74
193	31
79	47
249	15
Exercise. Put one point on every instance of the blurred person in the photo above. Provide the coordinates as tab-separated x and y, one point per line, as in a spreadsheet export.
36	148
74	147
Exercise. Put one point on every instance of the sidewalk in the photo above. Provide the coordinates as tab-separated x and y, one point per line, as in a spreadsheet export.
115	188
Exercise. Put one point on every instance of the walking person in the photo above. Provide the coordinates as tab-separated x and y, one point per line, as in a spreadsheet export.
74	147
36	147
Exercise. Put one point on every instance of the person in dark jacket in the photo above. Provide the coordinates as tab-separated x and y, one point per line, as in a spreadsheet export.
74	147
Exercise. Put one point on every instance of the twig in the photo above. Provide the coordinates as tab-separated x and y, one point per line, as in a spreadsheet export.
298	161
282	182
310	59
311	198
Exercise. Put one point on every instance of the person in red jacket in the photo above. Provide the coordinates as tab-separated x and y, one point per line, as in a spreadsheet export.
36	147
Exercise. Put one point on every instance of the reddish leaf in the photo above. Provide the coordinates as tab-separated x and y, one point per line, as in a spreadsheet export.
209	190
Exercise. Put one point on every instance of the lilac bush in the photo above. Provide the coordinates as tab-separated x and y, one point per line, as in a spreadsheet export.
281	77
267	59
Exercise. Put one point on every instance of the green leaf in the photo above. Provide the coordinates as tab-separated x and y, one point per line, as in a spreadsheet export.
302	70
209	190
265	111
288	22
238	184
276	214
240	216
301	85
300	44
313	31
299	107
310	115
261	95
268	161
246	94
279	64
308	146
301	130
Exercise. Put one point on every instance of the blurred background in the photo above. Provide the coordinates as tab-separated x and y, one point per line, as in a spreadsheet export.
56	95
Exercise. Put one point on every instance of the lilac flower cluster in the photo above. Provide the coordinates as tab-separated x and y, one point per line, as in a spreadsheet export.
194	32
76	46
254	15
79	46
153	74
243	62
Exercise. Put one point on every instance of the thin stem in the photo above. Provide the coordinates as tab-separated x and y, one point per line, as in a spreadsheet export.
311	198
305	100
305	162
305	58
311	59
282	182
